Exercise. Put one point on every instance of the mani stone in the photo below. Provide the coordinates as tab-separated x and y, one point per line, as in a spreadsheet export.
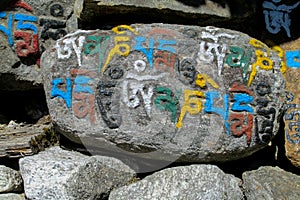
60	174
10	180
271	183
165	92
27	28
186	183
292	108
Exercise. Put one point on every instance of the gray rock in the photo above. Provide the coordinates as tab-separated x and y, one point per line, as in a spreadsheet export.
60	174
171	11
271	183
188	183
96	6
165	92
12	196
31	26
10	180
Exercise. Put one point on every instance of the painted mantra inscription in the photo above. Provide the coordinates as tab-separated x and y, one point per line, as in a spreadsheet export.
165	76
27	33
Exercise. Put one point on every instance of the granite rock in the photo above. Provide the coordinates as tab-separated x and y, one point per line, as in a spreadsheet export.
27	28
186	183
271	183
12	196
10	180
60	174
165	92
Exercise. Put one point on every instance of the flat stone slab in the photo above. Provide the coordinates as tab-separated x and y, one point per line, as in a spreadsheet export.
168	6
18	141
165	91
201	12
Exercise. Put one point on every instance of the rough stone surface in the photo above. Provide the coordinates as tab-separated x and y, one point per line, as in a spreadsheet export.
164	91
208	8
188	183
27	27
201	12
12	196
271	183
10	180
60	174
292	112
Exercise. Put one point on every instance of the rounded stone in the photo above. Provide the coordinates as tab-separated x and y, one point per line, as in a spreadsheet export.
165	92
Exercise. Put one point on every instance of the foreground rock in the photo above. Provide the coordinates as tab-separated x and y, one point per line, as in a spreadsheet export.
165	91
188	183
27	28
60	174
271	183
10	180
12	196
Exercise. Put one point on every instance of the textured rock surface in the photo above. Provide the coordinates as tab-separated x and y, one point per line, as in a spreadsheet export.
201	12
12	196
60	174
164	91
292	111
27	28
190	182
271	183
20	140
95	7
10	180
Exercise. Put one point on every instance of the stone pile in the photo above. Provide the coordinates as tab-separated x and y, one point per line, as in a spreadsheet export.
61	174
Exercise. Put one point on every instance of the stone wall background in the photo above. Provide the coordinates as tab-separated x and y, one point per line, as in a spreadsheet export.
25	124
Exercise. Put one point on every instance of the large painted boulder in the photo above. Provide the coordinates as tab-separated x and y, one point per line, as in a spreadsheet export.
165	92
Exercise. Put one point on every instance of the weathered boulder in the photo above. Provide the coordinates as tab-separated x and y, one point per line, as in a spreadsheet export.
12	196
189	182
165	91
27	28
271	183
60	174
10	180
291	53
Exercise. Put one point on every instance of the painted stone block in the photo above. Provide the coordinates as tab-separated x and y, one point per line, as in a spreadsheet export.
27	28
